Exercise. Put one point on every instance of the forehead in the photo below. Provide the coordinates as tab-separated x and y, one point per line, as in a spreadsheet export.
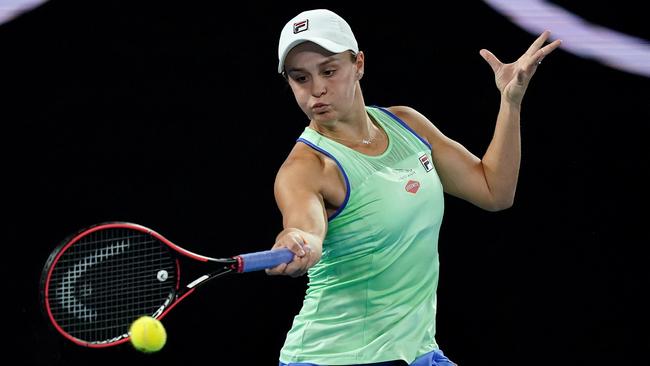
308	51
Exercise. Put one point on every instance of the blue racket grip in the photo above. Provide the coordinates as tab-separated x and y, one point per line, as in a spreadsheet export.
262	260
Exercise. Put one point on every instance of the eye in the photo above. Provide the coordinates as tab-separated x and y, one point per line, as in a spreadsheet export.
329	72
299	78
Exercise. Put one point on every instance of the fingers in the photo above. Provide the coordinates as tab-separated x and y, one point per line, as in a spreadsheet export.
537	52
300	263
537	44
297	267
550	48
533	56
491	59
275	271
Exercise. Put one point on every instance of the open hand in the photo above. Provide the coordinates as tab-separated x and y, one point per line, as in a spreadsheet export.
512	79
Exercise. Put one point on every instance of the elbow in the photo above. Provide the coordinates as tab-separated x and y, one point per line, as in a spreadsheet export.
500	204
504	205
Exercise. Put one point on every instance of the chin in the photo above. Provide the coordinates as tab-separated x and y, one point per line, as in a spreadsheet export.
327	116
323	118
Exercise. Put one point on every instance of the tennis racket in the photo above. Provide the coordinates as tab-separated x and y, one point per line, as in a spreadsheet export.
99	280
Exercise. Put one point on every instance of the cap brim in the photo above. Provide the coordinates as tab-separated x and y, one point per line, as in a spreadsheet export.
324	43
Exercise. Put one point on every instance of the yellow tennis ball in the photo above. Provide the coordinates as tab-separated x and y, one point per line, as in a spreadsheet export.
147	334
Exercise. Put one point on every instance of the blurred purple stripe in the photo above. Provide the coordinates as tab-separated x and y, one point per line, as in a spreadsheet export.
584	39
10	9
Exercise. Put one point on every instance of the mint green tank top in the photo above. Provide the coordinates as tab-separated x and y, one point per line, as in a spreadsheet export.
372	296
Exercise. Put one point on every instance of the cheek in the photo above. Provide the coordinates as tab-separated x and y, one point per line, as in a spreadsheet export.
298	94
302	98
348	90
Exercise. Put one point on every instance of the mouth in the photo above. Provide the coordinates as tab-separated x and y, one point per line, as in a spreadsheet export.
319	107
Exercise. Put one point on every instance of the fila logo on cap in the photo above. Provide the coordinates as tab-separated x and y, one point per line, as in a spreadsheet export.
300	26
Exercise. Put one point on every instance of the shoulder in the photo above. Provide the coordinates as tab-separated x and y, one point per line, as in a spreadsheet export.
409	115
302	155
416	121
302	165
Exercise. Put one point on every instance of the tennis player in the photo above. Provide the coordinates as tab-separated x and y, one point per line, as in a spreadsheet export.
361	196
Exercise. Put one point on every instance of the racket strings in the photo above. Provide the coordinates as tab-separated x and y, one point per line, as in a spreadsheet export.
142	253
111	284
108	278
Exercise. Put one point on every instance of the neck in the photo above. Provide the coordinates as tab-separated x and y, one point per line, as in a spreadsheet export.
355	125
363	132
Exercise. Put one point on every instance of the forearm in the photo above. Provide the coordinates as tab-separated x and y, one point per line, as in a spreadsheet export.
503	156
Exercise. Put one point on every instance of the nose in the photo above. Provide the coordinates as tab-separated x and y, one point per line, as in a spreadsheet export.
318	87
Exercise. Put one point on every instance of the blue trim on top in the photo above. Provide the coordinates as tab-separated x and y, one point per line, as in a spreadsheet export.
345	176
403	124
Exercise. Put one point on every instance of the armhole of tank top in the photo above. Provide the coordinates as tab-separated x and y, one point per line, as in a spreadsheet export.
345	176
405	125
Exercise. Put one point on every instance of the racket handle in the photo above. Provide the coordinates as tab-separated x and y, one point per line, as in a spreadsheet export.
262	260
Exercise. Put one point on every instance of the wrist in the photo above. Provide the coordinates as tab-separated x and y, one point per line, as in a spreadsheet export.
510	104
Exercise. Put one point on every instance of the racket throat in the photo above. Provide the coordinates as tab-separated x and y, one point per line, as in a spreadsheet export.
203	279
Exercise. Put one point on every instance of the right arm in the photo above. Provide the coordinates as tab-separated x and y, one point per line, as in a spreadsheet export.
298	195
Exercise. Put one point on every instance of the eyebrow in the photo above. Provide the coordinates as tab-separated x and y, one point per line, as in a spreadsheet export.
325	62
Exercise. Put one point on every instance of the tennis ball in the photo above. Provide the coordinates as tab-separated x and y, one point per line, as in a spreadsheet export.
147	334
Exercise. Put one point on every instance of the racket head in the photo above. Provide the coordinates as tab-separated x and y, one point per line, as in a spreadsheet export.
99	280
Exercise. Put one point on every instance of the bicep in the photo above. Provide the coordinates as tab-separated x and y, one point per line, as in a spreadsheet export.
460	171
298	197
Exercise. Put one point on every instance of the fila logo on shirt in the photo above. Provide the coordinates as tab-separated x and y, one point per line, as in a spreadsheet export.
426	163
300	26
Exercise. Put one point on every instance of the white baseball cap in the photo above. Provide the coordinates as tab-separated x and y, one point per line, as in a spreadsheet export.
321	26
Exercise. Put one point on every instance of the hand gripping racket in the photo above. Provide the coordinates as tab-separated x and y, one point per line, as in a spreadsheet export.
98	281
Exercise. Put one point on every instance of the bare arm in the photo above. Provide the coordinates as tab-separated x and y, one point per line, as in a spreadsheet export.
490	182
297	193
502	158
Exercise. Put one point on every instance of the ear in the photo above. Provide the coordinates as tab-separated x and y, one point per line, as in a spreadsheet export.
360	64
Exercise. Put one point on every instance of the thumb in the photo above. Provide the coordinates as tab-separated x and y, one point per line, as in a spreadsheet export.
491	59
298	245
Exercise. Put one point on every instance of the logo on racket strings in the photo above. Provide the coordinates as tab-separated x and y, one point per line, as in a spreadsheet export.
67	293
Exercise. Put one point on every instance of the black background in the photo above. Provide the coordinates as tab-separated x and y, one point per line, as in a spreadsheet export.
173	116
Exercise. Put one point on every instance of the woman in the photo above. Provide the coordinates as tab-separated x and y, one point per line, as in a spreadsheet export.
361	196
